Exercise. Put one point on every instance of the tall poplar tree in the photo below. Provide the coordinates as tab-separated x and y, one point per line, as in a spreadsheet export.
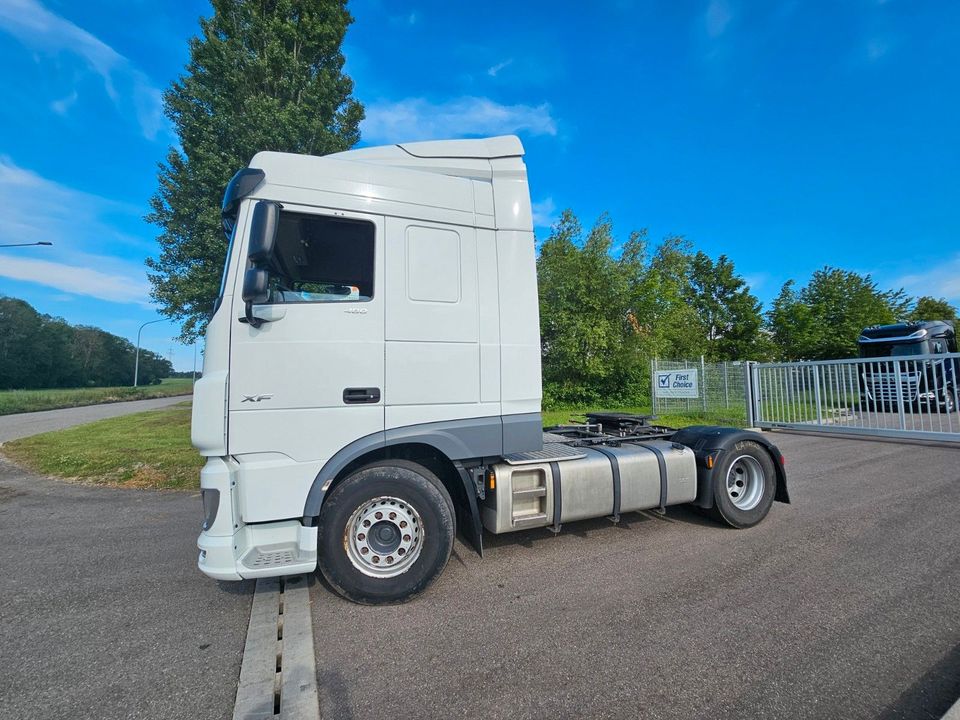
263	75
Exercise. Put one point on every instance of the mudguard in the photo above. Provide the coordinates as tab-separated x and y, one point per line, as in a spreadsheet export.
469	517
710	441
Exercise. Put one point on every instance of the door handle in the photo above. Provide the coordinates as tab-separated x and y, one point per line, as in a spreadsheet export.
355	396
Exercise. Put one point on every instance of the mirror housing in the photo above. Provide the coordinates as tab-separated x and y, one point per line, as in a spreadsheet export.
263	231
255	286
256	291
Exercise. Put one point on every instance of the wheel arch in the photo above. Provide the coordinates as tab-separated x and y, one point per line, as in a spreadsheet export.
423	450
709	443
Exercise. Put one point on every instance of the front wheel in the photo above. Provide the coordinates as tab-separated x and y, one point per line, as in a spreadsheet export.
385	533
948	402
744	485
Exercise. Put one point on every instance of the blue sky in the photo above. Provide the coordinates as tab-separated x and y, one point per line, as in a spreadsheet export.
786	135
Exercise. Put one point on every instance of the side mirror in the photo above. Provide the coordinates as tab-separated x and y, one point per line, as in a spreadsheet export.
255	286
263	231
255	292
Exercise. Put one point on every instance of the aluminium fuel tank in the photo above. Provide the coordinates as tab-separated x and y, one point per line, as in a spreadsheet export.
562	483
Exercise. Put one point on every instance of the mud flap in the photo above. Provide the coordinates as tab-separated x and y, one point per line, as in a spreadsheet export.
469	516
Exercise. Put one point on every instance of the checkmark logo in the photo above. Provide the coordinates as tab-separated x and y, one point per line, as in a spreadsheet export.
664	380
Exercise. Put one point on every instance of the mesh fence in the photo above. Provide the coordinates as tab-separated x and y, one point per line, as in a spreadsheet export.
721	389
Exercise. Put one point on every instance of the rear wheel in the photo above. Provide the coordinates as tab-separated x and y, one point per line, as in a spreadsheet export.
744	485
385	533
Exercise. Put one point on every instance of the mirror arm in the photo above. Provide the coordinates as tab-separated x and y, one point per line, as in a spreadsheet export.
249	317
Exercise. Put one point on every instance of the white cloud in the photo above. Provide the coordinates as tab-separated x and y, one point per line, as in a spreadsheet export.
419	119
61	106
756	281
544	213
942	281
493	70
75	280
86	243
718	17
46	32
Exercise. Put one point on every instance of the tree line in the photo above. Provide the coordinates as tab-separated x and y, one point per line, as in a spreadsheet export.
42	351
607	308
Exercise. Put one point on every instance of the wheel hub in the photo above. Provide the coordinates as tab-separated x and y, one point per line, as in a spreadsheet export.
383	537
745	482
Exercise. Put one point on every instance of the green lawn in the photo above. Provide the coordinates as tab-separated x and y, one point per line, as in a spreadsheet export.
152	449
18	401
145	450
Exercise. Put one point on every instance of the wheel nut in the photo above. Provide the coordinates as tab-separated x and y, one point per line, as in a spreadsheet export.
366	523
403	523
389	558
364	550
393	516
379	515
376	559
401	551
361	536
406	538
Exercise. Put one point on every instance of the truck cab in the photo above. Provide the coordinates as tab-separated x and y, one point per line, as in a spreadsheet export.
372	367
926	376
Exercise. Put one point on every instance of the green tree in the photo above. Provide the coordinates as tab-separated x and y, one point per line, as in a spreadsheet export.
583	311
730	314
263	75
929	308
823	320
668	326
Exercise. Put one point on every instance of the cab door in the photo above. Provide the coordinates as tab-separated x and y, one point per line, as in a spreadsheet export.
309	380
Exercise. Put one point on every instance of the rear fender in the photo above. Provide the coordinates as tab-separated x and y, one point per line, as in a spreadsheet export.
709	443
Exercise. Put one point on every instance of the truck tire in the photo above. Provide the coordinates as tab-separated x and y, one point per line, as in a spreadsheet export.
385	533
744	485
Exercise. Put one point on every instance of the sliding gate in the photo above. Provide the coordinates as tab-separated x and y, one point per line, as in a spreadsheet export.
910	396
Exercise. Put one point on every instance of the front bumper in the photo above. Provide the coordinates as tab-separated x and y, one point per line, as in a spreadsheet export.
232	550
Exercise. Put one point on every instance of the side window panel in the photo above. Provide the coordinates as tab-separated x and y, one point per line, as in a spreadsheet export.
322	259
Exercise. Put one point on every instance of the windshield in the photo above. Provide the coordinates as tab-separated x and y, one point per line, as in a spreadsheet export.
871	350
226	267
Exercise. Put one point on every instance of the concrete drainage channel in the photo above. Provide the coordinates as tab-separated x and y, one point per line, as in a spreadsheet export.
278	676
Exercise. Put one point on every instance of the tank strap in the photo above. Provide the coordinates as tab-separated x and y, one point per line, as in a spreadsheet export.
662	462
557	501
615	467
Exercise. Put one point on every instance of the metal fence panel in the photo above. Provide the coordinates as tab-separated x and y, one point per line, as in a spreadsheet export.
912	396
722	387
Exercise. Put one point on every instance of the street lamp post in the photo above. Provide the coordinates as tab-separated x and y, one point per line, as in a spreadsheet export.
42	242
136	363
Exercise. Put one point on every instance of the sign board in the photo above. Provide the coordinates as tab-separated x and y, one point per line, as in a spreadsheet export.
676	383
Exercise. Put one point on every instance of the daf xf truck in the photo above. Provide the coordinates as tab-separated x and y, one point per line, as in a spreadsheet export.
371	381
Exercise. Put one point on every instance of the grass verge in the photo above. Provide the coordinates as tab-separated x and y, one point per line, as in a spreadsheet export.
18	401
145	450
152	449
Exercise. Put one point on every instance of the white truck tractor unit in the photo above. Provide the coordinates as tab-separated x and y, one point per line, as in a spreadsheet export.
371	380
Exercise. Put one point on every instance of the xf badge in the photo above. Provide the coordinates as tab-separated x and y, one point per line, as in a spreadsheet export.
257	398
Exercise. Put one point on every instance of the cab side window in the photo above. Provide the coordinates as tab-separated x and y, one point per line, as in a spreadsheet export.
320	259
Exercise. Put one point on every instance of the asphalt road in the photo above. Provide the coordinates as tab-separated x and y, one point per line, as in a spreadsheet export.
845	604
103	613
21	425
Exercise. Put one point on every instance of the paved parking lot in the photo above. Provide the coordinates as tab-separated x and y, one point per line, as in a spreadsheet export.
103	613
844	604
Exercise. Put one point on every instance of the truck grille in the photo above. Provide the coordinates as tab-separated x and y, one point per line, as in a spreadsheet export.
882	387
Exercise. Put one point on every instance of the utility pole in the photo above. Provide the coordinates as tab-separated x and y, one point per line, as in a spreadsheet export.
136	363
